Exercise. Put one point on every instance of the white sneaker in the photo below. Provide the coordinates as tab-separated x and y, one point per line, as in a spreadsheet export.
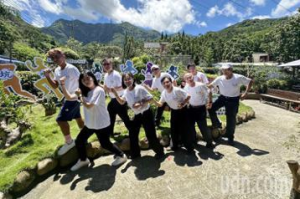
119	160
80	164
65	148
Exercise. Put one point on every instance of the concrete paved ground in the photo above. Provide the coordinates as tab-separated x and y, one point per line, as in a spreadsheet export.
254	168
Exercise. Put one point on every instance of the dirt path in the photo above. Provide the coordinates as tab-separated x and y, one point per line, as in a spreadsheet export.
255	168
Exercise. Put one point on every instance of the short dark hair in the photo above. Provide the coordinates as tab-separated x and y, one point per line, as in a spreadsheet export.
109	60
127	75
165	77
190	64
83	88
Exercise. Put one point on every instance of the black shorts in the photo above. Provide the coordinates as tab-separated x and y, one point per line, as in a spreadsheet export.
70	110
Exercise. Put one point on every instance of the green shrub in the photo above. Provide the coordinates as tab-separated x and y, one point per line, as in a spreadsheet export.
276	84
23	52
27	79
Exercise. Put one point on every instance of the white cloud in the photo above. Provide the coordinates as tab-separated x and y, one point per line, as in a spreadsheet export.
32	15
261	17
258	2
166	15
213	11
52	7
283	6
229	24
228	10
201	24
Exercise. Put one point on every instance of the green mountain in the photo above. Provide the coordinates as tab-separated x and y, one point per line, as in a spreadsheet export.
62	29
20	39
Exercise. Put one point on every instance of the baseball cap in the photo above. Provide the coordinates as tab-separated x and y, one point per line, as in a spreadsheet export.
154	67
226	66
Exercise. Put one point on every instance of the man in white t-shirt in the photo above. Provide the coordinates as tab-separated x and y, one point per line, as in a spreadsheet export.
71	106
229	87
200	97
198	76
113	79
157	86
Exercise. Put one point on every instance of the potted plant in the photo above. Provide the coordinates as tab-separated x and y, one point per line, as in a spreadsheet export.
49	104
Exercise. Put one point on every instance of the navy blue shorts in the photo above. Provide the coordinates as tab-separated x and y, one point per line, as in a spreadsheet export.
70	110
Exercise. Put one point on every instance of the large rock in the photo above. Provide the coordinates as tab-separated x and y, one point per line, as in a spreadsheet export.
165	141
69	158
245	117
94	150
5	196
46	166
23	181
124	145
239	119
251	114
144	144
215	132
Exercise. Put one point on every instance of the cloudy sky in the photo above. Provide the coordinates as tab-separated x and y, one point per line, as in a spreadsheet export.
192	16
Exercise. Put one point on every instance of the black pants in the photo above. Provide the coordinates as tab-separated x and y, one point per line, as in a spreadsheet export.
103	137
114	108
198	115
145	119
158	114
180	128
231	107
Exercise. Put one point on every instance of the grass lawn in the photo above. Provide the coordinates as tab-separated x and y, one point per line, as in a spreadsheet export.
44	138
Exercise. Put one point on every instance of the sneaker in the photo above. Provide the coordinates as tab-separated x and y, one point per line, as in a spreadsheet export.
80	164
209	145
119	160
65	148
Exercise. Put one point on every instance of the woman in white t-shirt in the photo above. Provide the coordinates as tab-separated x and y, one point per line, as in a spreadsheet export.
177	99
138	99
96	120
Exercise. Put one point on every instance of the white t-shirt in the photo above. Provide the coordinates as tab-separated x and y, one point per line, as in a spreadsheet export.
72	75
156	82
174	98
198	93
201	77
112	80
231	87
96	117
138	94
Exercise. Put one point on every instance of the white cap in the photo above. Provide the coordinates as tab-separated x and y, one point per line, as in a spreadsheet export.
154	67
226	66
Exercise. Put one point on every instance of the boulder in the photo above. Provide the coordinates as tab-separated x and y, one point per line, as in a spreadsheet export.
245	117
239	119
144	144
251	114
45	166
5	196
69	158
94	150
215	132
165	141
223	130
23	180
125	144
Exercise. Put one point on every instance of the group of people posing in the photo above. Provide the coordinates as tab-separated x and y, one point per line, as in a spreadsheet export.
188	106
